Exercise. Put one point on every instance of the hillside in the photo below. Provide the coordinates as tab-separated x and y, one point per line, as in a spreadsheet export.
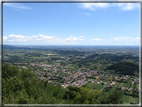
125	68
24	87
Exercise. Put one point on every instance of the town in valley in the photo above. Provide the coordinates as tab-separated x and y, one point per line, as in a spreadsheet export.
104	68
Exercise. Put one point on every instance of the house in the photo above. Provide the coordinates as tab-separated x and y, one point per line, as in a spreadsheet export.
116	77
126	88
105	83
113	83
129	89
119	87
64	85
108	86
74	84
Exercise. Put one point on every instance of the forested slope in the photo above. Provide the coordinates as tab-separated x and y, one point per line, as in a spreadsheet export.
24	87
125	68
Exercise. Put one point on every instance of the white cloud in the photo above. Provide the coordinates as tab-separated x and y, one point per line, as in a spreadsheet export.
16	5
73	38
96	39
93	6
126	39
41	39
138	38
80	37
120	39
19	38
122	6
4	38
128	6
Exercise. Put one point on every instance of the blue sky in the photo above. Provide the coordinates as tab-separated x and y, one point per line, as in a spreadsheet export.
71	24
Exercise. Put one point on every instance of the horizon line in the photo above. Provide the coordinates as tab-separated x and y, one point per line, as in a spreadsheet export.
68	45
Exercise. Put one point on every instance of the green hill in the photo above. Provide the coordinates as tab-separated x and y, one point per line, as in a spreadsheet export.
125	68
24	87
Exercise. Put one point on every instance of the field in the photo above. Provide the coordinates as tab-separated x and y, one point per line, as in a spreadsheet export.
95	86
127	99
106	78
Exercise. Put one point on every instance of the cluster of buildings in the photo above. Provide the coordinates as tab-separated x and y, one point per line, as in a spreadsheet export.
124	88
78	78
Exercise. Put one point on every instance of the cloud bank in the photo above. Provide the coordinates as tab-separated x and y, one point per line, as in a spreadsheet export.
41	39
70	40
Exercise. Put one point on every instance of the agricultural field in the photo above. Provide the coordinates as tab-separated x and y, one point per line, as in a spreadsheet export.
95	86
127	98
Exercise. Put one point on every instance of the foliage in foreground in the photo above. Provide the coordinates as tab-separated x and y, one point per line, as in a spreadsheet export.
24	87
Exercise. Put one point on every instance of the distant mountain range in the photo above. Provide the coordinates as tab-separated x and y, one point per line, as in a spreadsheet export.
8	47
14	47
61	46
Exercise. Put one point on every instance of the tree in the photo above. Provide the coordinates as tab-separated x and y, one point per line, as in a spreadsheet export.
83	95
9	71
112	98
113	79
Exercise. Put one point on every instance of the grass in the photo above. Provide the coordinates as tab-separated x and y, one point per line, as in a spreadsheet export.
135	77
117	84
84	85
106	90
88	84
126	85
137	86
39	57
106	78
136	100
130	99
44	63
113	88
125	99
121	84
131	89
96	86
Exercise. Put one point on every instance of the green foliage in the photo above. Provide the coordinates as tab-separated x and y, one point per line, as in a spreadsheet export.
63	63
26	88
9	71
111	98
125	68
82	95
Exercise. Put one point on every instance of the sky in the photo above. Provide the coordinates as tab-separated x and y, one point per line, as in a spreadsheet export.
71	24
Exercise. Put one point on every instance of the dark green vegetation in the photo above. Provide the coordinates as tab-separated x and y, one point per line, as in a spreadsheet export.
125	68
24	87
